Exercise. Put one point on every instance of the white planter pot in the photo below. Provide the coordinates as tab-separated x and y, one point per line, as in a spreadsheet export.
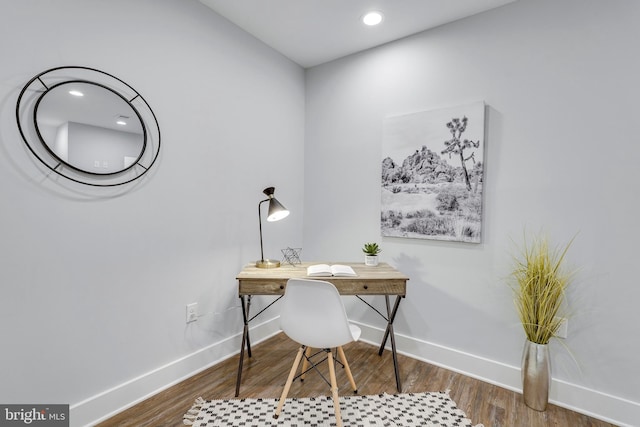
371	260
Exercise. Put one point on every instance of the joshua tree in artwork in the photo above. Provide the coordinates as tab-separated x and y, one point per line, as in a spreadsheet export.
456	146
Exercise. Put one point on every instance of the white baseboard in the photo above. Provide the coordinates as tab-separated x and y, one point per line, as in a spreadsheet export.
599	405
612	409
110	402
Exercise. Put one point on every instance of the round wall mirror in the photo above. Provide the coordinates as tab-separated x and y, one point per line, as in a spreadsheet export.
88	126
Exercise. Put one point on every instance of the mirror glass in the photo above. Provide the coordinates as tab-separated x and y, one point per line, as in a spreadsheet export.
90	127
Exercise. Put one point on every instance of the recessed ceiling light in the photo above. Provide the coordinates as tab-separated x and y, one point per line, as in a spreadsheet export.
372	18
122	120
76	93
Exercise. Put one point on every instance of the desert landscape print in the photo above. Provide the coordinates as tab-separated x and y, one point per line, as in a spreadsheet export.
433	174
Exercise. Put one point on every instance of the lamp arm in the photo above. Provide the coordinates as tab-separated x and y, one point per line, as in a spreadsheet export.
260	224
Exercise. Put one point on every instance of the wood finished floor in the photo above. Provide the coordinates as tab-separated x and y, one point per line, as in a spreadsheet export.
265	373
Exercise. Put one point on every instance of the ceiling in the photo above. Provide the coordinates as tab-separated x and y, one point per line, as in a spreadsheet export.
311	32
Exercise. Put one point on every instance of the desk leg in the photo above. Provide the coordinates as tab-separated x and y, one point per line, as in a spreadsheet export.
246	324
245	339
391	315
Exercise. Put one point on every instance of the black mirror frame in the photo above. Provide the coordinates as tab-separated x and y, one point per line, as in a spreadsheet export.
42	83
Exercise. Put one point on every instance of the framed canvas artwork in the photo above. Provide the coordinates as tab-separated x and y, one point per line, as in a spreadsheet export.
433	174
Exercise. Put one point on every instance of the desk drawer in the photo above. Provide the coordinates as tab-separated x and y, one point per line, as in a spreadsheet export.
369	287
261	287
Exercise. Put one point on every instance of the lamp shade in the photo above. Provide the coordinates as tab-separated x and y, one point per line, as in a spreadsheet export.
276	210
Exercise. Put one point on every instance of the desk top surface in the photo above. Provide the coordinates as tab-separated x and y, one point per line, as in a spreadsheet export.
379	280
382	271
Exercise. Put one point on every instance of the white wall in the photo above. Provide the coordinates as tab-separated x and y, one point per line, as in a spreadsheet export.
560	80
94	282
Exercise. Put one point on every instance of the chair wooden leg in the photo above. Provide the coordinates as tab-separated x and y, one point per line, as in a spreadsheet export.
343	359
287	386
334	390
305	363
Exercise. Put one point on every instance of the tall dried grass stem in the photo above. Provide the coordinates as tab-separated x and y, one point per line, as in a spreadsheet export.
540	283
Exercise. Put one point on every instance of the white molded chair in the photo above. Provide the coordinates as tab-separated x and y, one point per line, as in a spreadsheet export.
313	315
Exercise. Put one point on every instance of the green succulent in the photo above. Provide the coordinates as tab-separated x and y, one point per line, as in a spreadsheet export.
371	249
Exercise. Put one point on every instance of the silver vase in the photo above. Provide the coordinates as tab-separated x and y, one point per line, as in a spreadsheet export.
536	375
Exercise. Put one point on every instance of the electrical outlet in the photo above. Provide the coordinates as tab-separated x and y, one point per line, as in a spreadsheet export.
192	312
563	328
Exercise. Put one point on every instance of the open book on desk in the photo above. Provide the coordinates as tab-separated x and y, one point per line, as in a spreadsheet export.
326	270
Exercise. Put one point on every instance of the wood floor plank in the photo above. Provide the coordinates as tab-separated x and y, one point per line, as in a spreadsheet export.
265	373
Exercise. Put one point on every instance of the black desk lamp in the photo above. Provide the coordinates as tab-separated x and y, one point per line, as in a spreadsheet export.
276	213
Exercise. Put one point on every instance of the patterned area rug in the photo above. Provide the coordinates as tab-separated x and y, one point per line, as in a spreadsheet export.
407	410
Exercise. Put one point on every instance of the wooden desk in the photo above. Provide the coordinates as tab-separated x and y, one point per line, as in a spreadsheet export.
380	280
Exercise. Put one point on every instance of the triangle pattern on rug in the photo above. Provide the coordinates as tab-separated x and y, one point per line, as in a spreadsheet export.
389	410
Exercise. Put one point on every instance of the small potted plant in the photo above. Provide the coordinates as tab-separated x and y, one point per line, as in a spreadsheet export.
371	251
